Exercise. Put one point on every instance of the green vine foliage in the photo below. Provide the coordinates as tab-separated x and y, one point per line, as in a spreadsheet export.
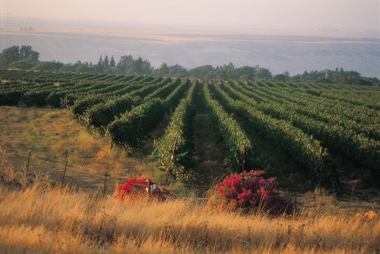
174	152
234	141
303	148
132	129
314	124
81	105
102	114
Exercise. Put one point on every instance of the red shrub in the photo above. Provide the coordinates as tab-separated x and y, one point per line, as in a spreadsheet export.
138	188
251	191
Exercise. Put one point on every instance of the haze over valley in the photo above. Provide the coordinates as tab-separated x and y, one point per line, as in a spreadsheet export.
191	46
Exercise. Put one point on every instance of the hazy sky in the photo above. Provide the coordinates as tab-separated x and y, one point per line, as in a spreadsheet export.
296	14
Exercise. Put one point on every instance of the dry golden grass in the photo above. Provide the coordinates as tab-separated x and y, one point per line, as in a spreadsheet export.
42	219
53	137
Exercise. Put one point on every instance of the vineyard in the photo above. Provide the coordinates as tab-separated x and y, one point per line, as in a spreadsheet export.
330	132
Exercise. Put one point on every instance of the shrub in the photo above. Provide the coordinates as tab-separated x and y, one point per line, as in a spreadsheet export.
250	191
138	188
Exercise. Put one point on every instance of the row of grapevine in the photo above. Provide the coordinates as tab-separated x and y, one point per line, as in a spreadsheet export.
317	104
359	148
105	102
358	119
235	142
145	89
91	107
48	88
163	91
174	151
45	76
302	147
369	99
133	128
73	99
103	113
306	120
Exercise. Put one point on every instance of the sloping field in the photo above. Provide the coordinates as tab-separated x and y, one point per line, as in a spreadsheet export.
95	131
319	135
53	139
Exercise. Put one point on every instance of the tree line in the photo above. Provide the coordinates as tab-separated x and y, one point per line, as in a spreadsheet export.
26	58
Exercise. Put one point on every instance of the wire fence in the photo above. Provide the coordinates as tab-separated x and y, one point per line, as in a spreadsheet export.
106	182
75	175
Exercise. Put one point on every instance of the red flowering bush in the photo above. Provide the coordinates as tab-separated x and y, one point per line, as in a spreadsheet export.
138	188
251	191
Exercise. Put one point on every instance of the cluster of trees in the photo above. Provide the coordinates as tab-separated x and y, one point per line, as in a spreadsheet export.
25	58
226	72
337	76
16	54
230	72
126	65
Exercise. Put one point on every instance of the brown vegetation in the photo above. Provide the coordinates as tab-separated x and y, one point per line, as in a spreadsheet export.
53	139
45	219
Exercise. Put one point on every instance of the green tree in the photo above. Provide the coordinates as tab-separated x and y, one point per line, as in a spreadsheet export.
335	76
177	70
125	63
139	66
250	72
147	68
48	66
281	77
26	52
100	62
81	67
263	74
230	70
342	76
163	70
105	63
8	56
128	65
205	71
112	62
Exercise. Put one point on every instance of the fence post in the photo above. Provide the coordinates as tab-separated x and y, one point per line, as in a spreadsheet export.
27	166
64	172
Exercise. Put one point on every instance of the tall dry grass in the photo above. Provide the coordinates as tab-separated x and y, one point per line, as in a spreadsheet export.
43	219
53	139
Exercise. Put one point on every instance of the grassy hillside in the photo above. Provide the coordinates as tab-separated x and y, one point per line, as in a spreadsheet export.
56	141
52	138
41	218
